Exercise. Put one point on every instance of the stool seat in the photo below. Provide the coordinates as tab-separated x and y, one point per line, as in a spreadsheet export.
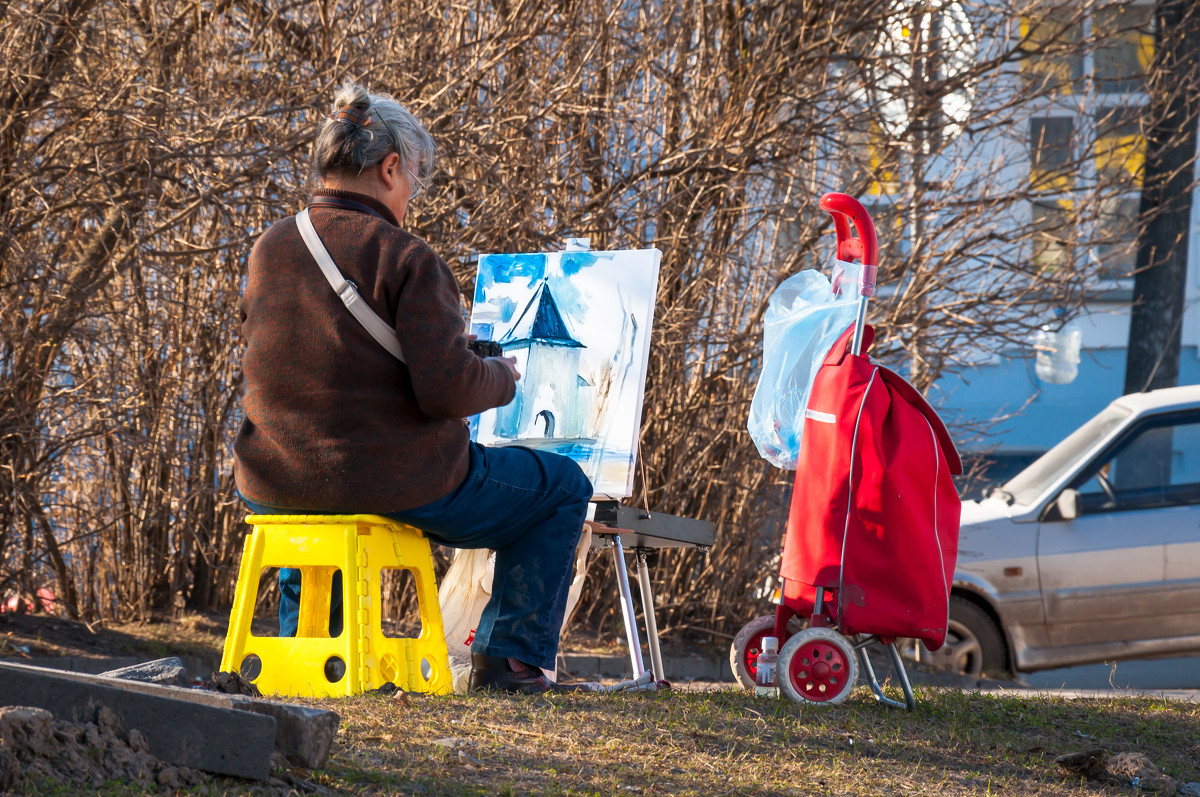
361	657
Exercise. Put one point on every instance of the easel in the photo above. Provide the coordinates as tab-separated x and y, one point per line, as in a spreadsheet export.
620	527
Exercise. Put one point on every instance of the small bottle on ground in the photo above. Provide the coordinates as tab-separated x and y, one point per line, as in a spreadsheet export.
765	684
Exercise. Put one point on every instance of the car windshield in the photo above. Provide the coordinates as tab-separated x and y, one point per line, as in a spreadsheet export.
1026	486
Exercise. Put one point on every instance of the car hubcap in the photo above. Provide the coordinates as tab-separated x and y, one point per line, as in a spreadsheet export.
961	653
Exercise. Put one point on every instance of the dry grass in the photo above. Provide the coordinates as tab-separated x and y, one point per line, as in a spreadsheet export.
726	742
693	742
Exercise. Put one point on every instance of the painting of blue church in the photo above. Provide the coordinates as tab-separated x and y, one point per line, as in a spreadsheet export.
578	325
548	357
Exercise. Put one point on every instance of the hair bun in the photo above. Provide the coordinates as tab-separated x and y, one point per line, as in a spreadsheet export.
352	116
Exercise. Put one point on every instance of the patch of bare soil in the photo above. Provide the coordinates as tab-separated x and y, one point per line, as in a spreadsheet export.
26	636
35	745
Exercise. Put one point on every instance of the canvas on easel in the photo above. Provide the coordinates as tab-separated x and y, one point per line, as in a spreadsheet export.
578	323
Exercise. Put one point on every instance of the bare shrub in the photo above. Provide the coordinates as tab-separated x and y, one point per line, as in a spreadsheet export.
143	146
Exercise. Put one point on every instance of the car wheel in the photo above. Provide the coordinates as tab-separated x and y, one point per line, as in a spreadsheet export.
974	645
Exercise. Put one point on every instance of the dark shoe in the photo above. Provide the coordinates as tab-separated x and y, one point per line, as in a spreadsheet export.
509	675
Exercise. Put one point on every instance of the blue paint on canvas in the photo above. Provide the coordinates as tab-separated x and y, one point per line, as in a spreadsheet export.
572	262
581	400
499	269
506	307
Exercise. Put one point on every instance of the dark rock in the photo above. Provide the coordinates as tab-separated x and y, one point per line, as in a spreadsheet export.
107	722
169	671
232	683
27	728
138	741
169	777
1089	763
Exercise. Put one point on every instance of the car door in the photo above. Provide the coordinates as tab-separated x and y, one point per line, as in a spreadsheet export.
1127	567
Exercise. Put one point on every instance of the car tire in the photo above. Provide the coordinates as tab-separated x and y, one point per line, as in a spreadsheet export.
974	644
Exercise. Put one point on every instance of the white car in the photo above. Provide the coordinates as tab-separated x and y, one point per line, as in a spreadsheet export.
1090	554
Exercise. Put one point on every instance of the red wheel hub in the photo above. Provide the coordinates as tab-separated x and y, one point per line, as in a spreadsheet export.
750	654
820	671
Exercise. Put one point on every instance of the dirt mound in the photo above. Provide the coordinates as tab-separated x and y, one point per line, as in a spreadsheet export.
33	744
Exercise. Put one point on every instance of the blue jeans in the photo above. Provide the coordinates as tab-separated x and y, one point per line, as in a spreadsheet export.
529	507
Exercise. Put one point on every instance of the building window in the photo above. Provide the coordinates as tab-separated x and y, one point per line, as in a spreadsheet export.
1116	237
1120	144
1053	230
1125	47
1052	163
1052	39
1094	142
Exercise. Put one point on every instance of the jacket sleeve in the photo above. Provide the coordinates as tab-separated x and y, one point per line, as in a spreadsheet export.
449	380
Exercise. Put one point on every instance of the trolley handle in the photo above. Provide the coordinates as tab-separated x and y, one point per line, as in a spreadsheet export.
847	210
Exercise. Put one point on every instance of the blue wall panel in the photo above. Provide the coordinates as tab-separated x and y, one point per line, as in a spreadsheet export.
979	394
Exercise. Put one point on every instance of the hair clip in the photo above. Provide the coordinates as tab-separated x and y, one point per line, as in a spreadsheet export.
352	116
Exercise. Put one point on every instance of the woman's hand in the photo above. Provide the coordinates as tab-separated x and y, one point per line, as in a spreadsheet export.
511	364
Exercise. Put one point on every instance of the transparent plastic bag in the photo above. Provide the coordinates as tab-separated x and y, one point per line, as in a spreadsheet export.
1057	353
466	589
804	319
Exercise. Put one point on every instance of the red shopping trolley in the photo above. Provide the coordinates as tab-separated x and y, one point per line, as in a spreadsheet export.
872	534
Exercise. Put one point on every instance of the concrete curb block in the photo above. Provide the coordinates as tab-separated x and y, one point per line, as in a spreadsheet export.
203	736
197	666
302	735
701	668
575	665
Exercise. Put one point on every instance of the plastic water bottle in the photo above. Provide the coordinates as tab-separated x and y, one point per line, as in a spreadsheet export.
765	685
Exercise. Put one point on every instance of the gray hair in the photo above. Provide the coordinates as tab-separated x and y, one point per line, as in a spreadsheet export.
349	148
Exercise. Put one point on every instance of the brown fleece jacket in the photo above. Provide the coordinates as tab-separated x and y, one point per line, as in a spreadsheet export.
333	422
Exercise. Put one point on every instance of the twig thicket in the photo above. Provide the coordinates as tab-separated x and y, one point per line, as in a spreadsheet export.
144	145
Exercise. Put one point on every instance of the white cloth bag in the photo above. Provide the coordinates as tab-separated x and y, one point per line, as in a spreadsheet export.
466	589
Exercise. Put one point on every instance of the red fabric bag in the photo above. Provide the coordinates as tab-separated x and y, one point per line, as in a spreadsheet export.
875	513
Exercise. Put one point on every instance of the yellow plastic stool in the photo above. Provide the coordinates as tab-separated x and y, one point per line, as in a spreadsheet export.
361	546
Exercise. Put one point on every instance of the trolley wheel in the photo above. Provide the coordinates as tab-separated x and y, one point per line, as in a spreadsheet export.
818	665
743	653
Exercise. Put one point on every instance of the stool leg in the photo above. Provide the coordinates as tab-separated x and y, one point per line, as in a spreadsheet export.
432	643
245	594
355	600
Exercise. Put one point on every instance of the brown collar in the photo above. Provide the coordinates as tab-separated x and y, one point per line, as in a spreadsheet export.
372	204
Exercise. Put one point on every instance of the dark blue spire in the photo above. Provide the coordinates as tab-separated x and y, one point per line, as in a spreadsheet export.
543	325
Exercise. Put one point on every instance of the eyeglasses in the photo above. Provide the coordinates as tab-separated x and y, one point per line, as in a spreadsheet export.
416	185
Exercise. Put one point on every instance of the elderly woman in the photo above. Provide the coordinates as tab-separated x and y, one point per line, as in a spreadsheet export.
335	424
